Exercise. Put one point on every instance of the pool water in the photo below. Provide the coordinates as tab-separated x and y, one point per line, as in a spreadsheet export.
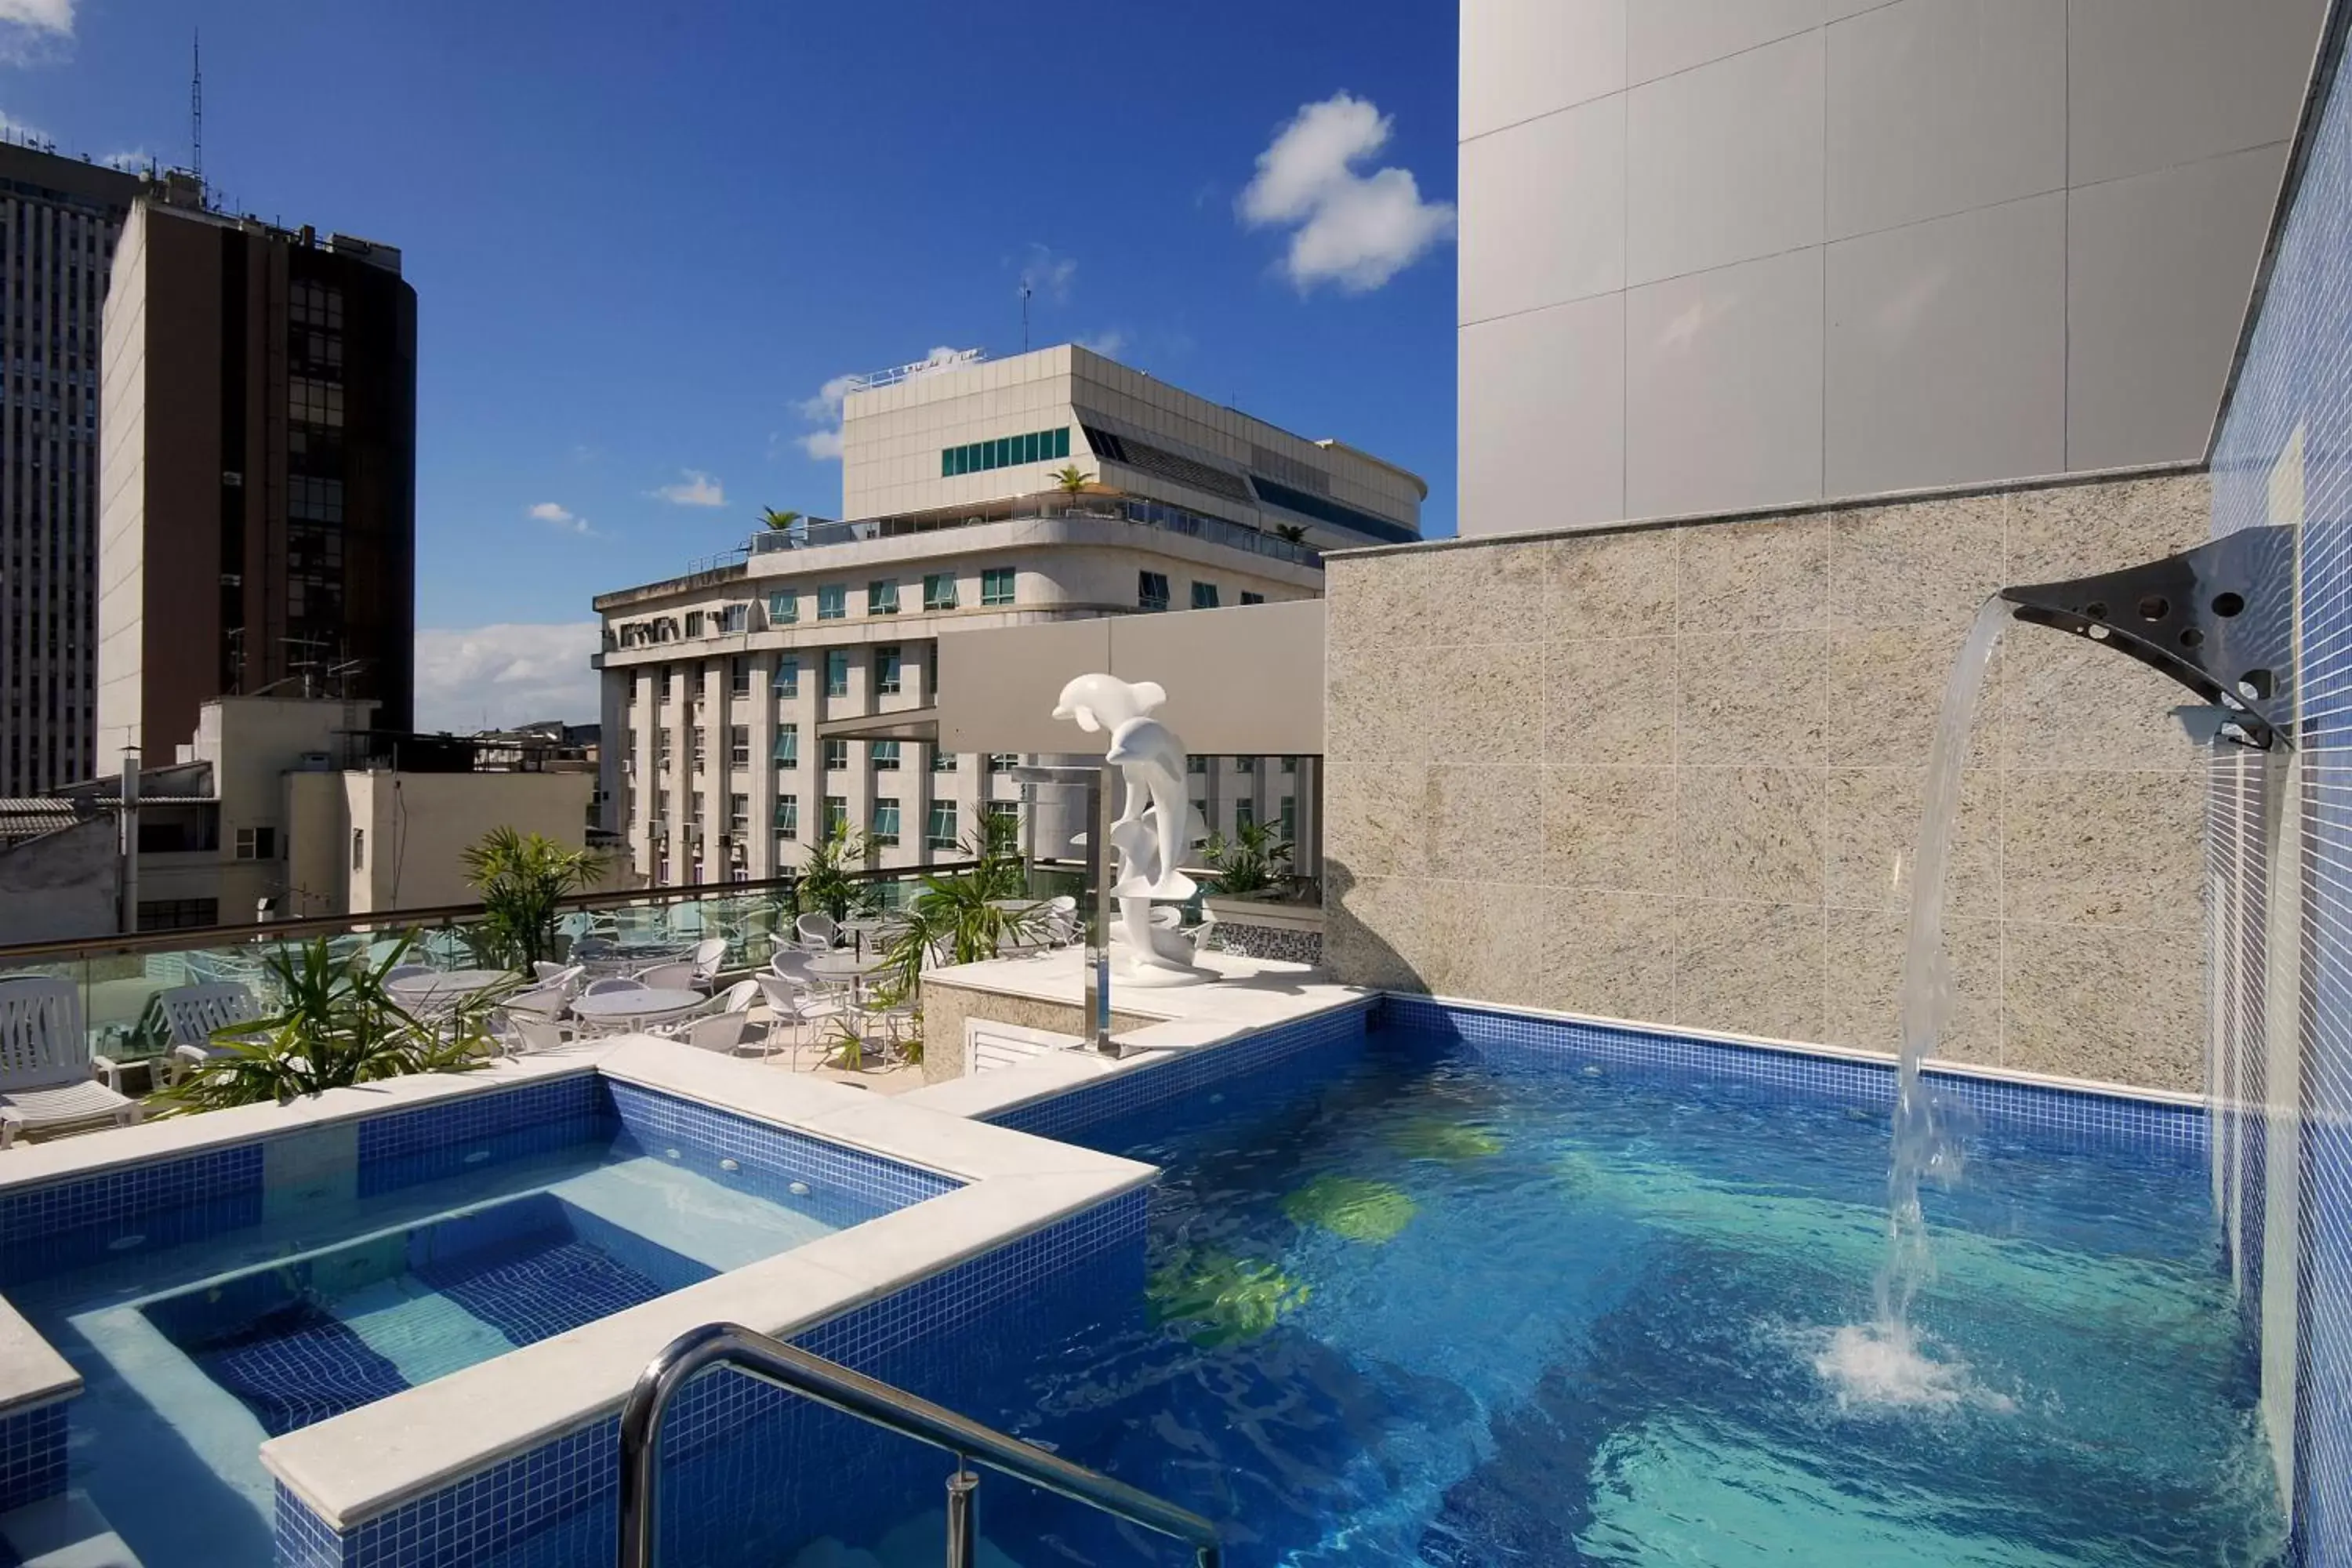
194	1355
1519	1308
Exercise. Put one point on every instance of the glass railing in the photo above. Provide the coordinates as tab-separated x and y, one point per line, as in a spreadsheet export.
1107	509
120	977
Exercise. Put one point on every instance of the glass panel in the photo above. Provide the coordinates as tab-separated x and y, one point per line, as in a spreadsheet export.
1062	442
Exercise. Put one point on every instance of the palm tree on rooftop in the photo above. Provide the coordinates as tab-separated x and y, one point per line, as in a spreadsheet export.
1073	479
779	520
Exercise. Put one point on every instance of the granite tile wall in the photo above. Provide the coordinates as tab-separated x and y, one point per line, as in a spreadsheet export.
1673	773
946	1007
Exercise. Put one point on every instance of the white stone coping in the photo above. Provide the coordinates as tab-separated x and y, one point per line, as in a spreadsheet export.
361	1464
32	1374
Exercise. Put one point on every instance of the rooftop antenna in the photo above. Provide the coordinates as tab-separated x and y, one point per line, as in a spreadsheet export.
197	106
1024	315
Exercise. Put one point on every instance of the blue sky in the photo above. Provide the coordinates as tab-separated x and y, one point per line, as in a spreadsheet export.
645	235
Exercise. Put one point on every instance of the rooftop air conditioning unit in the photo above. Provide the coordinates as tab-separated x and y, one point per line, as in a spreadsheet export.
314	762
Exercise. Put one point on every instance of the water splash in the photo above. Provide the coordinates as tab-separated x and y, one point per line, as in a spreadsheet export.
1883	1366
1883	1361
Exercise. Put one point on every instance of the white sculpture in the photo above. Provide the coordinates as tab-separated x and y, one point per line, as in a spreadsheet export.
1151	832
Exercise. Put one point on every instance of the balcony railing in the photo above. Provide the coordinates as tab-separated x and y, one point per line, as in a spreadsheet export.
120	977
1024	509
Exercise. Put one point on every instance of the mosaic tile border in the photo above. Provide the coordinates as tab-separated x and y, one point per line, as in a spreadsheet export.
551	1486
2069	1118
1069	1112
32	1454
403	1148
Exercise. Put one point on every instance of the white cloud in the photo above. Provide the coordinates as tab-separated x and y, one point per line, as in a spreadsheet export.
1357	230
694	488
1109	345
130	161
825	408
555	516
30	29
495	676
1048	274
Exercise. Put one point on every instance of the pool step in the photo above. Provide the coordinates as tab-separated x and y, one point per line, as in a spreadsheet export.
63	1532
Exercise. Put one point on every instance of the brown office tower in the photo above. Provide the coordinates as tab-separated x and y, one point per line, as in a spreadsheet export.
257	474
59	221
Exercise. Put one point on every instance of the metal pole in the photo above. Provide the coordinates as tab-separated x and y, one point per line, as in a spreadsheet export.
129	825
963	1541
1098	875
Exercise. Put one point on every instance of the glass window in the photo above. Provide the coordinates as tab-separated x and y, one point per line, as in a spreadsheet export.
1245	814
1196	764
1249	598
1062	442
1003	453
836	813
1029	452
669	682
739	746
739	676
947	462
257	843
1290	764
939	591
788	746
882	598
783	606
837	756
887	679
788	676
1004	816
885	820
738	813
942	762
939	832
886	756
1289	819
996	585
661	751
832	601
701	748
738	618
1151	590
788	816
1246	764
1003	761
836	673
1204	596
694	623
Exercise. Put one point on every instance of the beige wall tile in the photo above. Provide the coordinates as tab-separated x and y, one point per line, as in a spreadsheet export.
1484	704
1750	833
1873	820
1492	593
1886	696
1376	818
1772	575
2104	1003
2103	849
1755	969
1482	941
1609	584
2067	702
1614	957
2076	531
1928	562
1377	601
1609	827
1486	823
1751	697
1373	930
1866	949
1376	707
1609	700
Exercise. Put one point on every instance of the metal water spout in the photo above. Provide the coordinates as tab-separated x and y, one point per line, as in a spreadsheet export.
2218	619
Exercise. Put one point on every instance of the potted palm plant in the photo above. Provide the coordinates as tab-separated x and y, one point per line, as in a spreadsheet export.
523	877
827	882
961	917
1259	907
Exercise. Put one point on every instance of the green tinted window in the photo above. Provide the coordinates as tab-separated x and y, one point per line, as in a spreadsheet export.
832	601
1062	442
996	585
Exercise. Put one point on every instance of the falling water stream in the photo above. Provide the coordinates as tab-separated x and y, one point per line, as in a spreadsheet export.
1881	1361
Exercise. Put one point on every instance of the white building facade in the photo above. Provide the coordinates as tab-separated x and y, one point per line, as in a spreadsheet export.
723	689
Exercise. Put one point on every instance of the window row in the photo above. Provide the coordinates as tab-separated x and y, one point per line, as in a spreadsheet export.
1151	592
980	456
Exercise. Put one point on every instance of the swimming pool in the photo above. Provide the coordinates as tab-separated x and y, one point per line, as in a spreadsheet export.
474	1244
1478	1303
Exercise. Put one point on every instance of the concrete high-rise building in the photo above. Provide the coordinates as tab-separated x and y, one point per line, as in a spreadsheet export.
257	517
59	220
1735	255
752	704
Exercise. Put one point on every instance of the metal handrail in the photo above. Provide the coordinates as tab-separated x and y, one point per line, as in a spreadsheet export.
855	1393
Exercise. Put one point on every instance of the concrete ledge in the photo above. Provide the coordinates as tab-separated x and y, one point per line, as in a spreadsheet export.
32	1374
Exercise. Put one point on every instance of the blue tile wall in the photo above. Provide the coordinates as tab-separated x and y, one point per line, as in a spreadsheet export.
749	1470
2296	375
844	1185
65	1225
32	1454
2056	1117
1080	1115
440	1140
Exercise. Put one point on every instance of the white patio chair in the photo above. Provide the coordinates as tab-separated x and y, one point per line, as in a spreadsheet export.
668	977
614	982
522	1035
816	931
709	955
45	1065
721	1032
540	969
190	1014
401	971
793	1007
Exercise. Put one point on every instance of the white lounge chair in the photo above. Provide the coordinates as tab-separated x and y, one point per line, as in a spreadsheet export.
190	1014
45	1065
